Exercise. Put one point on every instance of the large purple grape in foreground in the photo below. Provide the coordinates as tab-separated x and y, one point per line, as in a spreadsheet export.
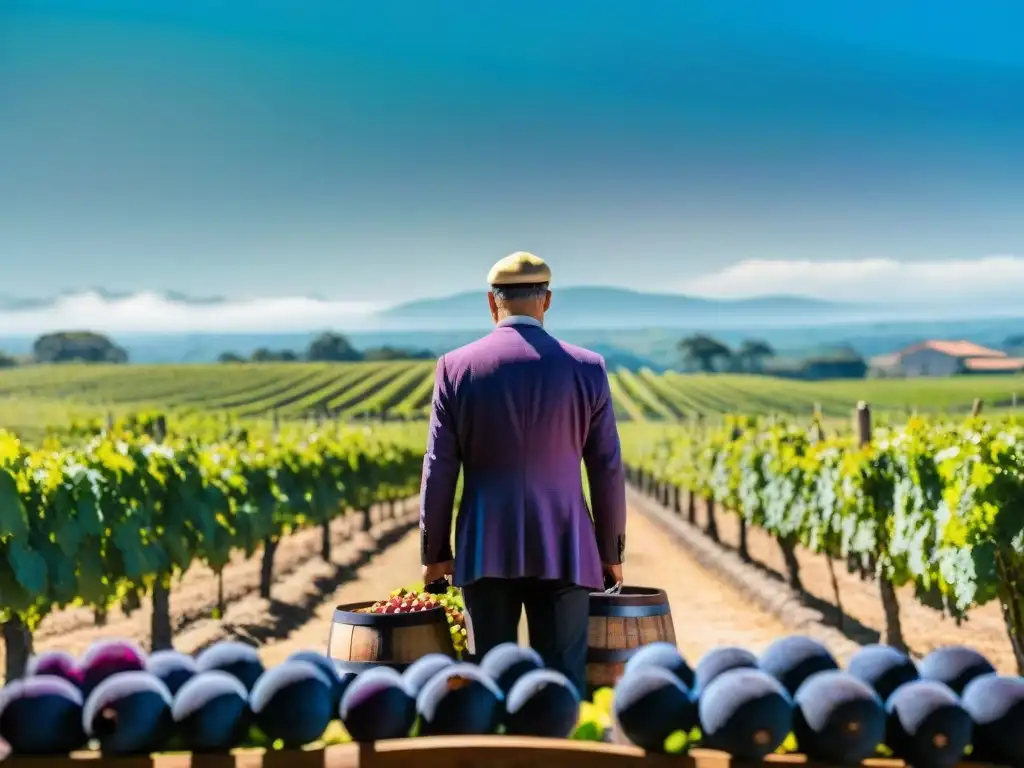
926	725
664	655
293	702
460	700
41	715
339	680
129	713
883	668
542	703
420	671
650	704
996	705
378	705
238	659
793	659
173	668
211	712
838	718
718	661
507	662
745	712
955	666
109	657
57	663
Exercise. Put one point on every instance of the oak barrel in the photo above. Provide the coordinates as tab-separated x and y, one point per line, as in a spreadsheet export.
619	625
359	641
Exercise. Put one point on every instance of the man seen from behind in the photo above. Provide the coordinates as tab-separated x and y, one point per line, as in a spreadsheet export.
518	411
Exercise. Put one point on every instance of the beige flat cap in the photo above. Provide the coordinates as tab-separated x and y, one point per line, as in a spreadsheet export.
520	268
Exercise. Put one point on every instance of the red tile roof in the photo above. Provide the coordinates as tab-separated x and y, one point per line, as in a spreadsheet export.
963	349
994	364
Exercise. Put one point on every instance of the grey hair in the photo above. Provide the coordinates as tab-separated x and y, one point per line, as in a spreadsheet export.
519	292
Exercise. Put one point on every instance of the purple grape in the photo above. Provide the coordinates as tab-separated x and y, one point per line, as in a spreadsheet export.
793	659
542	703
238	659
460	700
838	718
420	671
57	663
507	662
174	668
883	668
339	680
129	713
293	702
650	704
954	665
41	715
744	712
996	705
109	657
718	661
211	711
664	655
378	705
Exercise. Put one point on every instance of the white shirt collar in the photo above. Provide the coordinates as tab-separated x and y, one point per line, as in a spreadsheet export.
519	320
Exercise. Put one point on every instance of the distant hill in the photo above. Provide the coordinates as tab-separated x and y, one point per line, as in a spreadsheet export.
599	307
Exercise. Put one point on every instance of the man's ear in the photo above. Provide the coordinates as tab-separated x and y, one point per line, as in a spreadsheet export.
547	301
493	305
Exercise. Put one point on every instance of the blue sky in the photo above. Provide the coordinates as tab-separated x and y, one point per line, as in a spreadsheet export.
390	150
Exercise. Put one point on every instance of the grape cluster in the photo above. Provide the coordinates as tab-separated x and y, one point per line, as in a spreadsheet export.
794	697
123	702
414	599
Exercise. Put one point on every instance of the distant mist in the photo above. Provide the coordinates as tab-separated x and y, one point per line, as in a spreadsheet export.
886	289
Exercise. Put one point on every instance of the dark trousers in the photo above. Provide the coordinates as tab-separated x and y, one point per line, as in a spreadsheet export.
557	614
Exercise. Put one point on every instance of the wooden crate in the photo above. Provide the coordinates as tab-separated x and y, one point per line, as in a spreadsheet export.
443	752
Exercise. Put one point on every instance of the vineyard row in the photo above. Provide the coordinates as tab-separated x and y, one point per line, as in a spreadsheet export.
933	505
121	515
402	389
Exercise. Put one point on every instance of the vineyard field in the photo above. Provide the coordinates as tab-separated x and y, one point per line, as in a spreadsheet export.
35	395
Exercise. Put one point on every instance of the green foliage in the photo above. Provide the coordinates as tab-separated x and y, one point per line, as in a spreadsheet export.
89	523
936	505
81	346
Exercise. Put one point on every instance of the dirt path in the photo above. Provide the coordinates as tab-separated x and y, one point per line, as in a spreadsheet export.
706	612
923	628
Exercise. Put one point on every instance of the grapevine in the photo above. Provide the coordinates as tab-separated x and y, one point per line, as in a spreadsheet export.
932	504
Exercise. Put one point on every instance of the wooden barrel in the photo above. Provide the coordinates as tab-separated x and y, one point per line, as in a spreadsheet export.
619	625
359	641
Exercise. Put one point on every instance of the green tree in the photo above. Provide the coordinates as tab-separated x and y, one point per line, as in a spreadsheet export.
80	346
7	361
752	353
230	357
703	352
332	347
264	355
397	353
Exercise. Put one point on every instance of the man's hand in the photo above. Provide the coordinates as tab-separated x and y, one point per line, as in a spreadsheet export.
613	572
436	571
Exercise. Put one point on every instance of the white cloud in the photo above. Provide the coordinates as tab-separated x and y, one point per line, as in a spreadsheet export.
153	313
993	280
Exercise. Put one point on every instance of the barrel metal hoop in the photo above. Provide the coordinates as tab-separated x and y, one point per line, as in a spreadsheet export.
620	611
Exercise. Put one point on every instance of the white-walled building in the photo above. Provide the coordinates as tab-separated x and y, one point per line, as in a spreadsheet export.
946	358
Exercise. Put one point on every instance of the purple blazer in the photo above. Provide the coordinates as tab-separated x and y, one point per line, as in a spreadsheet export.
518	410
